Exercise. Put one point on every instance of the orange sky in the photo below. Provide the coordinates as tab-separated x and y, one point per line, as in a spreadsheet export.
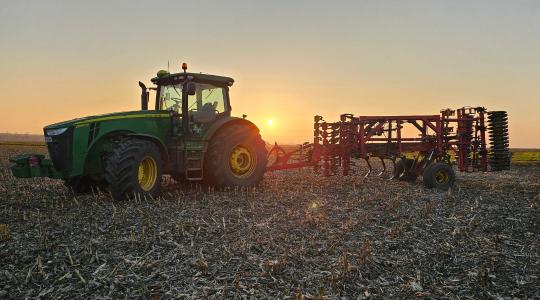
291	60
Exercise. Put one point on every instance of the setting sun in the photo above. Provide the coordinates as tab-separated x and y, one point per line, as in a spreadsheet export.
270	122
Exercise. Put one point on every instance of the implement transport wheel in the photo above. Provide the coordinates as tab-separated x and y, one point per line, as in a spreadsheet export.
402	170
440	176
135	167
236	156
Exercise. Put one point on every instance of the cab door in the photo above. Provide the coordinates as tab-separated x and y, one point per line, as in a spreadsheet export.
169	98
208	104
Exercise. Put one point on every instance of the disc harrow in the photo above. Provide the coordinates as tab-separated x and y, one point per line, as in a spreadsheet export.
426	145
499	156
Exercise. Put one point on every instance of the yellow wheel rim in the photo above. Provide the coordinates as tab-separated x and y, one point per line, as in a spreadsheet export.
147	173
442	177
242	161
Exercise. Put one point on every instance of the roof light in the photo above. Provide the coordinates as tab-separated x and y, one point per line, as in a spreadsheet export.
184	67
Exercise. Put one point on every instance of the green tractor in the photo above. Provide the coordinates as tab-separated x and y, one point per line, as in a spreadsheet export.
189	134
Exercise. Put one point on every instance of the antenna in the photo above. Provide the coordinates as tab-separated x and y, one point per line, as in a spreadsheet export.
168	65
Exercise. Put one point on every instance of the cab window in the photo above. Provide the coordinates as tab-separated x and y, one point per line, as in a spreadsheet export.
207	96
170	97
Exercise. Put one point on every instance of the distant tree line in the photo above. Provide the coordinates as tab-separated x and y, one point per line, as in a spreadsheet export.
21	137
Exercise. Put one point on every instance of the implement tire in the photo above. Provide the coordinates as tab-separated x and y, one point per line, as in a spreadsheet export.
236	156
440	176
401	171
134	167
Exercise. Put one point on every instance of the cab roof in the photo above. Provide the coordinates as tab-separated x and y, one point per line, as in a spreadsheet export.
197	77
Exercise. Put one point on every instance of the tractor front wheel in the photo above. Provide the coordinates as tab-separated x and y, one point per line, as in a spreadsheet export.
236	156
440	176
134	168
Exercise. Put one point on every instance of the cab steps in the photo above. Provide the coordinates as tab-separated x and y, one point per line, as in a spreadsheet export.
194	165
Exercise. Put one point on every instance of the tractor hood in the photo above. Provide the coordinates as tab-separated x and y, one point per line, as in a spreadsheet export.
107	117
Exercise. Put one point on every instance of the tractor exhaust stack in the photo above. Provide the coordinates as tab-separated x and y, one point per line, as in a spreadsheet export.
144	96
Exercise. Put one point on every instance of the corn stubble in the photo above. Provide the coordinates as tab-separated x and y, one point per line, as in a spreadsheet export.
298	236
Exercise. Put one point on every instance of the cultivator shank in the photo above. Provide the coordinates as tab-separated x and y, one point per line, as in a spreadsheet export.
413	145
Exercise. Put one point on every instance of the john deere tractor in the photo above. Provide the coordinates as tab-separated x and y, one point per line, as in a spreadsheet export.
189	133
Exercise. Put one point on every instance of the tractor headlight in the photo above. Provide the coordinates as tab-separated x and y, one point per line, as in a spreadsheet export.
51	132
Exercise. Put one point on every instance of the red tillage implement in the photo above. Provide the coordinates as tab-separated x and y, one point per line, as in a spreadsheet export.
429	139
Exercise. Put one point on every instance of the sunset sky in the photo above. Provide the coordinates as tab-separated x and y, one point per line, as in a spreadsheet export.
290	59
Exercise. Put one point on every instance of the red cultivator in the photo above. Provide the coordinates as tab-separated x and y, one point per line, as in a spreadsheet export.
413	145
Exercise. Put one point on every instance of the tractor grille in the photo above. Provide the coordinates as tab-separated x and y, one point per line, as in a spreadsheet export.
60	149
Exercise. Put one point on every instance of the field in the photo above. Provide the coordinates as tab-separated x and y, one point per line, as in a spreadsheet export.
298	236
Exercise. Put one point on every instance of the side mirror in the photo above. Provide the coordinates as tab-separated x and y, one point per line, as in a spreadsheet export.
144	96
191	88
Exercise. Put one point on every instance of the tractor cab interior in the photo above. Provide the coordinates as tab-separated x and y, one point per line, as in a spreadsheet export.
205	102
170	98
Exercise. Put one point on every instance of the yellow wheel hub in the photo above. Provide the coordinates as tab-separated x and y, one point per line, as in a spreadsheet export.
442	177
147	173
242	161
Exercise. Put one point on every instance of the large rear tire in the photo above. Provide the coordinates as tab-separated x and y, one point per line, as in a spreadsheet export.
236	156
134	168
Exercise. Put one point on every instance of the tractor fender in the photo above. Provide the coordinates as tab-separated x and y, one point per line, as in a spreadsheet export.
222	123
153	139
105	139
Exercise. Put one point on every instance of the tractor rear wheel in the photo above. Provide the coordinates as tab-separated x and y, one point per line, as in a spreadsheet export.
236	156
402	170
440	176
134	167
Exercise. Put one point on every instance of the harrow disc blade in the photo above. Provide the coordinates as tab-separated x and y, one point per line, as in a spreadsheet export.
499	155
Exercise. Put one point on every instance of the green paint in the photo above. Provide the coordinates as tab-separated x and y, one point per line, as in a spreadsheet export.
147	123
22	168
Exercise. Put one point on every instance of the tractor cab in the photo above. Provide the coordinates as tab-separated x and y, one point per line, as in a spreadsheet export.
203	98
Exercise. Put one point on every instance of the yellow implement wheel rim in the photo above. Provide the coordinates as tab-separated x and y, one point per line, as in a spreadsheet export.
242	161
442	176
147	174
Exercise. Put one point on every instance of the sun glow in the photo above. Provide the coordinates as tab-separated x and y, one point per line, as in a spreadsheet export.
270	122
